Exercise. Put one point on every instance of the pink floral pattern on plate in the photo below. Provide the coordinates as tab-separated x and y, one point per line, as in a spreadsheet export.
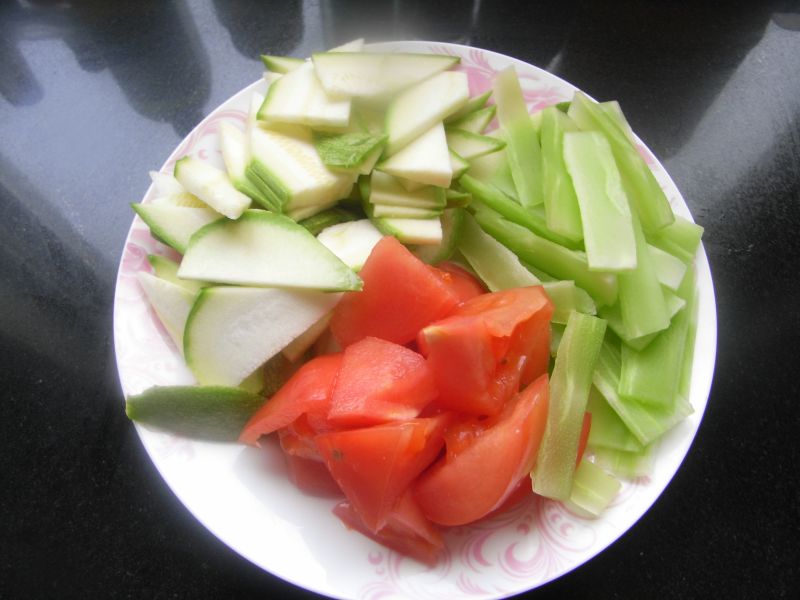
523	548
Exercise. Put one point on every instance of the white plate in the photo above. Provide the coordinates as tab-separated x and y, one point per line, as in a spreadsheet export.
244	497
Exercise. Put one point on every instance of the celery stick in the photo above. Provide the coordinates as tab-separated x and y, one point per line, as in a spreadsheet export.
569	391
640	297
556	333
625	464
670	270
646	194
560	203
689	292
523	150
538	273
592	490
511	210
647	423
503	180
567	297
614	111
651	375
546	255
680	239
608	430
613	315
605	214
497	266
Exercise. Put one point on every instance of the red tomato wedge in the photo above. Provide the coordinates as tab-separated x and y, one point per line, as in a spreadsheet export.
465	486
458	279
307	391
373	466
401	295
311	476
380	381
406	530
481	351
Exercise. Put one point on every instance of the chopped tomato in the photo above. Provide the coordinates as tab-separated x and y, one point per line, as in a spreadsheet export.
401	295
311	476
406	530
373	466
308	391
458	279
484	348
380	381
464	486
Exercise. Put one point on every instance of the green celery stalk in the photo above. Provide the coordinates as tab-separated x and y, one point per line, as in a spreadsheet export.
540	275
688	290
569	391
567	297
680	239
613	315
560	203
647	423
670	270
548	256
497	266
640	297
523	150
608	430
646	194
511	210
556	333
605	214
592	490
625	464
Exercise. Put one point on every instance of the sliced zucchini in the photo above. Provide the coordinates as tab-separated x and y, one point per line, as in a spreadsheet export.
281	64
474	122
473	104
412	231
212	186
171	303
174	225
426	160
452	220
387	190
167	269
470	145
352	241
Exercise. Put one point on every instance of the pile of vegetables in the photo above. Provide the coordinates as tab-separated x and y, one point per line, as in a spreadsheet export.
436	321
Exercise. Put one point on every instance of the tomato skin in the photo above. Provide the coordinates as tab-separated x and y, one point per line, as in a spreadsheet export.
584	439
481	352
401	295
311	476
406	530
307	391
465	486
375	465
380	381
463	283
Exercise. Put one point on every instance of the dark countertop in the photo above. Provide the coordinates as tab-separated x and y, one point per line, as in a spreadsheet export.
94	94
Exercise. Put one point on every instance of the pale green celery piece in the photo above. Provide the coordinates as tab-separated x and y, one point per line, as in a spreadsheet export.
605	213
592	490
651	375
540	275
680	239
670	270
523	149
456	199
641	185
496	200
566	297
327	218
563	106
475	121
543	254
569	391
556	333
625	464
647	423
614	111
503	180
613	315
452	232
689	291
640	297
560	203
608	430
536	119
497	266
473	104
346	150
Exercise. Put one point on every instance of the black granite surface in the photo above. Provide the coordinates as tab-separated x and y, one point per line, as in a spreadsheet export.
93	94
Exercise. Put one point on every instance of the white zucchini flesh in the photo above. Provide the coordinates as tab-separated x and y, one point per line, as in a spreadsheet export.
352	242
470	145
458	164
413	231
369	76
175	225
304	212
356	45
212	186
417	109
298	346
298	98
411	186
167	269
231	331
235	149
382	211
169	191
425	160
264	249
387	190
172	303
288	162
